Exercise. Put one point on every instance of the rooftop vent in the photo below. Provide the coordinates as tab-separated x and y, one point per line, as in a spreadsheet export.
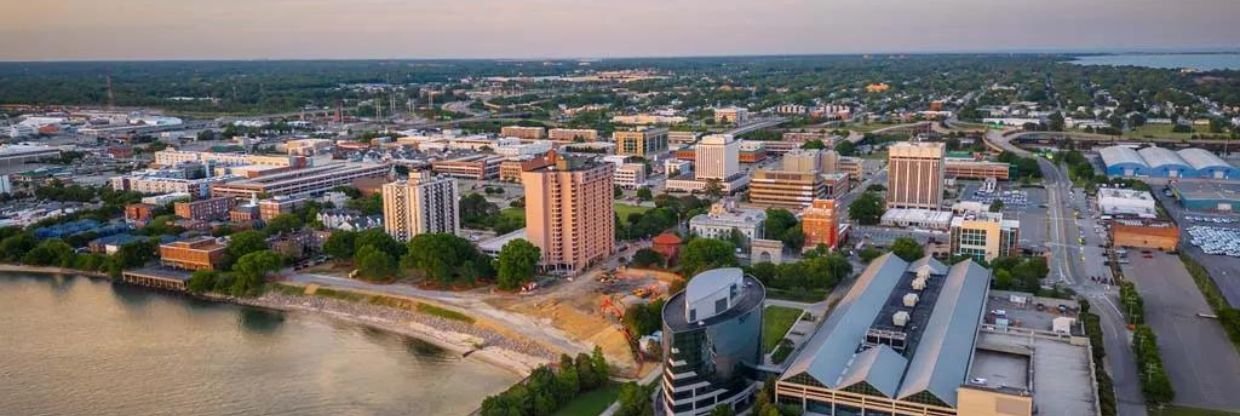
910	300
900	319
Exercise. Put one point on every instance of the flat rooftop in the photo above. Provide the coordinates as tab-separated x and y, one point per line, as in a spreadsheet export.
1207	190
1057	372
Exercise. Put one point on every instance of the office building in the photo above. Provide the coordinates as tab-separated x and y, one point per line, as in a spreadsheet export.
147	183
209	209
569	213
169	158
961	168
752	151
675	167
630	175
201	253
731	115
924	219
517	148
915	178
139	213
785	189
573	135
479	167
646	142
724	218
522	132
803	160
836	185
820	223
1126	202
717	156
916	339
712	342
984	236
422	204
682	138
312	181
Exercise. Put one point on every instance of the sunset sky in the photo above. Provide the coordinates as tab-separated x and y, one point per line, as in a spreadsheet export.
276	29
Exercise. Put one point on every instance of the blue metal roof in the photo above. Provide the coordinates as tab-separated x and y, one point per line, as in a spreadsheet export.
1202	159
1159	157
1121	155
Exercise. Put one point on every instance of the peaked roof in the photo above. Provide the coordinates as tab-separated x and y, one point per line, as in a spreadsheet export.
881	367
827	354
936	267
941	361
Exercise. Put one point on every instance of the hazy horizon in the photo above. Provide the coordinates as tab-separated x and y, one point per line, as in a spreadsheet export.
135	30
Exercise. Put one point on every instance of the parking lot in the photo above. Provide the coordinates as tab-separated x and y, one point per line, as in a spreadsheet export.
1224	270
1203	365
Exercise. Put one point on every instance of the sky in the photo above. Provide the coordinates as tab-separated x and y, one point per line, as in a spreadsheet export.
36	30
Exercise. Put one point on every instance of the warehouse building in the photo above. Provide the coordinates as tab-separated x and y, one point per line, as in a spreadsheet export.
1158	162
1206	196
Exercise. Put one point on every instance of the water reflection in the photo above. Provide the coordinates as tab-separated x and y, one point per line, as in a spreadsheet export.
132	297
260	320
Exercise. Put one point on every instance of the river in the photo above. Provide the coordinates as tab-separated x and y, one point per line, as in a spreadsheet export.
77	346
1198	61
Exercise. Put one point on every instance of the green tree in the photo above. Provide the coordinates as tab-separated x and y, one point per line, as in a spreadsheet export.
202	281
446	258
867	209
516	263
644	194
778	221
15	247
284	223
377	238
647	258
251	270
703	254
846	148
907	249
814	144
1055	122
51	252
340	245
376	265
246	242
599	362
634	400
996	205
714	188
723	410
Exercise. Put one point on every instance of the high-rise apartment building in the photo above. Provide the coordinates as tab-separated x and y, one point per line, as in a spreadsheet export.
915	178
643	142
422	204
821	224
717	157
569	213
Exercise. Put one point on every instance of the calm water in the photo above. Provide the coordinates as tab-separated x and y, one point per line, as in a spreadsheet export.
1204	62
75	346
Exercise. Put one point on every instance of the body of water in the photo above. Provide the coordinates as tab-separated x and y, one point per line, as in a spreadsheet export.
1198	61
76	346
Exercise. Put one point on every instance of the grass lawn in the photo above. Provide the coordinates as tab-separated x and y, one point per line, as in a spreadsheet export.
513	212
1189	411
625	209
776	320
591	403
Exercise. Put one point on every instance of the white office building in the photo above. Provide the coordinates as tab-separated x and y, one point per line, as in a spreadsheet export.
717	156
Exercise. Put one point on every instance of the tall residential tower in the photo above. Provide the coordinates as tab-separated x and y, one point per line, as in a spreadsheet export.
569	213
422	204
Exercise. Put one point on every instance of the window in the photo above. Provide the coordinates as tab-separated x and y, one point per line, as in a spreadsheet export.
721	305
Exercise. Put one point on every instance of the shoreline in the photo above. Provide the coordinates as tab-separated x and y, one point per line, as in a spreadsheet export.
432	330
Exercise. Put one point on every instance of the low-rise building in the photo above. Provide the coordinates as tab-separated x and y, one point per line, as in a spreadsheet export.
724	218
630	175
917	218
274	207
1126	202
1155	235
645	142
209	209
310	181
528	133
138	213
836	185
477	167
682	138
984	236
976	169
201	253
573	135
677	167
820	223
518	148
731	115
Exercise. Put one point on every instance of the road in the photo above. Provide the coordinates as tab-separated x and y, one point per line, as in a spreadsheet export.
1068	267
755	126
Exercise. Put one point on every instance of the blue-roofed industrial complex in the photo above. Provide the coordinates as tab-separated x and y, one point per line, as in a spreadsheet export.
1161	162
911	338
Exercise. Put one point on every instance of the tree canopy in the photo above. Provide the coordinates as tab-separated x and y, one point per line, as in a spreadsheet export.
703	254
516	263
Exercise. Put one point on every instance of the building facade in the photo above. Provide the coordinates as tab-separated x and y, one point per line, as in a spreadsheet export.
717	156
569	213
204	209
422	204
915	178
202	253
712	343
984	236
312	181
643	142
573	135
820	223
725	219
631	175
786	189
476	167
522	132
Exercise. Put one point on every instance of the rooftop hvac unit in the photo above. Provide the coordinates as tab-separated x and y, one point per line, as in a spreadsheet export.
923	273
910	300
900	319
919	283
